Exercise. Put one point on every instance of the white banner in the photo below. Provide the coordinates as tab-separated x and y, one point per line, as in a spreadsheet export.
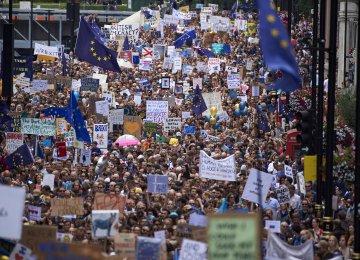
282	194
257	186
35	126
157	111
233	81
280	249
129	30
191	249
101	135
46	50
172	124
222	170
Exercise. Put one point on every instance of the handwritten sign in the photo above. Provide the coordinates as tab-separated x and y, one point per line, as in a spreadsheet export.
148	246
125	245
11	211
51	51
150	129
89	84
61	207
107	201
288	171
214	65
101	135
32	236
36	126
233	81
34	212
39	85
282	194
257	186
61	126
132	125
233	236
172	124
102	108
222	170
157	111
191	249
14	141
61	80
157	183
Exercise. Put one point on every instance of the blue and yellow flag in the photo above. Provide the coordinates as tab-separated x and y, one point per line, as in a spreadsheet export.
188	37
21	157
276	47
198	104
91	49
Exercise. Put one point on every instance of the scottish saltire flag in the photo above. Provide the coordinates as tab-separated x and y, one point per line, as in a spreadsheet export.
126	45
21	157
263	121
198	104
90	48
190	35
276	48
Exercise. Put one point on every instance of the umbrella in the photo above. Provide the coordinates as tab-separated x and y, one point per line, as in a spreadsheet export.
126	140
125	63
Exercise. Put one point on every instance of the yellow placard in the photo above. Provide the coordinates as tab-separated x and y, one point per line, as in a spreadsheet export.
310	167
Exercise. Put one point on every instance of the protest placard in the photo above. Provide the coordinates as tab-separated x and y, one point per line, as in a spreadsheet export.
214	65
198	220
150	129
157	111
234	236
189	129
89	84
233	81
116	117
249	64
85	157
301	182
11	211
212	99
282	194
161	235
222	170
288	171
197	82
56	250
20	252
171	19
59	80
102	108
69	138
34	212
159	51
61	207
131	30
104	223
49	179
61	126
177	65
51	51
36	126
157	183
273	225
39	85
64	237
32	236
14	141
107	201
101	135
124	244
202	67
257	186
148	246
146	64
172	124
132	125
191	249
255	91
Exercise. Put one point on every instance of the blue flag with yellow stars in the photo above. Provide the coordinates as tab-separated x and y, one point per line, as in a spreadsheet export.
198	104
263	121
276	47
4	118
126	45
73	116
21	157
37	151
90	49
188	36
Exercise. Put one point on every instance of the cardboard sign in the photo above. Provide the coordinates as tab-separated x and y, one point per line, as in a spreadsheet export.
101	135
233	81
157	111
172	124
20	252
148	246
14	141
282	194
34	212
257	185
11	211
157	183
105	201
55	250
125	245
132	125
223	170
104	223
191	249
32	236
234	236
72	206
36	126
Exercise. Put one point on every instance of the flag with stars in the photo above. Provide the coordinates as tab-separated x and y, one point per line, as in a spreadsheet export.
21	157
263	121
126	45
198	104
5	120
188	36
91	49
276	48
73	116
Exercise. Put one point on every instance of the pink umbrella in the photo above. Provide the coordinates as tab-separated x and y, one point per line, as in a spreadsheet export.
126	140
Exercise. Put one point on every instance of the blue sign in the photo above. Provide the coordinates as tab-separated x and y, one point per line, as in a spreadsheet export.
157	183
219	48
89	84
189	129
148	248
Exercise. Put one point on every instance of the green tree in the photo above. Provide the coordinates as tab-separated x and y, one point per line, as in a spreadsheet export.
347	106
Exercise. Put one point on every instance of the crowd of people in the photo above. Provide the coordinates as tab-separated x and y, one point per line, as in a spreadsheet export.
124	170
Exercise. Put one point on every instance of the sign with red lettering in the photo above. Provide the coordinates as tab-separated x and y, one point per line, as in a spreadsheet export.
109	202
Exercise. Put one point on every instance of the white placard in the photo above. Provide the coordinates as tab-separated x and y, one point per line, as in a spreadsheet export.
137	100
34	213
177	64
116	117
255	91
230	69
46	50
39	85
212	99
222	170
282	194
185	114
85	157
11	211
197	82
172	124
198	220
48	179
20	252
214	65
301	182
288	171
130	30
191	249
257	185
273	225
101	135
233	81
157	111
102	108
14	141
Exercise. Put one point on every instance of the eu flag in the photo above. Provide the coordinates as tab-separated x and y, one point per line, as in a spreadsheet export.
21	157
4	118
284	110
126	45
204	52
263	121
188	36
276	47
63	62
97	31
91	49
198	105
37	151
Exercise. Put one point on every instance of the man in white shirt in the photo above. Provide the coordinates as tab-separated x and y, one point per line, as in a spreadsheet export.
295	200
